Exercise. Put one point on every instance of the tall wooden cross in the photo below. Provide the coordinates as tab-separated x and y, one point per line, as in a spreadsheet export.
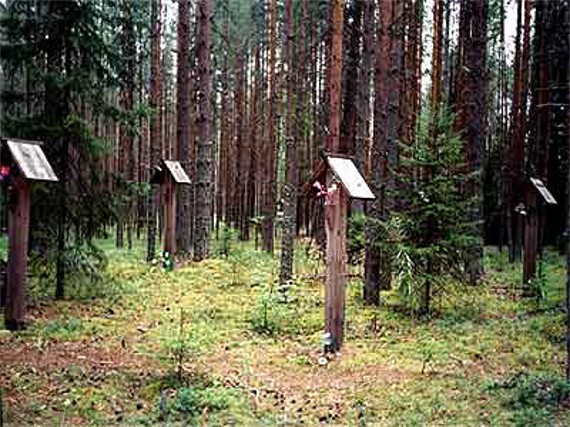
343	182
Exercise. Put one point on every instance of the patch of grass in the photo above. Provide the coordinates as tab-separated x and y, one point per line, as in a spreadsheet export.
533	398
243	368
66	329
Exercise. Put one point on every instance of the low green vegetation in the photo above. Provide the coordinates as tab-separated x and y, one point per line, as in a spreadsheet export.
219	343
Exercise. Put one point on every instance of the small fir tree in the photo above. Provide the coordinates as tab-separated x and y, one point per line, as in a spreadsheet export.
429	234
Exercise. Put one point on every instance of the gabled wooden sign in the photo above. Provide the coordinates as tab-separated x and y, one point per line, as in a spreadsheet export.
348	175
541	188
174	169
345	172
30	160
168	174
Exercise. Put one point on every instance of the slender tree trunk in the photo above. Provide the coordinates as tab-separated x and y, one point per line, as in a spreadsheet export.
471	87
516	158
268	206
204	194
335	76
289	192
365	75
417	64
225	132
301	129
539	142
183	120
376	209
253	172
336	210
127	165
155	126
57	100
242	142
447	63
350	104
436	55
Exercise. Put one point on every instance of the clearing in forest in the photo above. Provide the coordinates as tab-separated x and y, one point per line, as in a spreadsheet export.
216	343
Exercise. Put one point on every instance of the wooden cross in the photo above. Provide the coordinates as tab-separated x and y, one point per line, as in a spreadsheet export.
343	182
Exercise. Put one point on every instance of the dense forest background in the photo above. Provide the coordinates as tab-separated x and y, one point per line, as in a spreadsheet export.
447	107
454	299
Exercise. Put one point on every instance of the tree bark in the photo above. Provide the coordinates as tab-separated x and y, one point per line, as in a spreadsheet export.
350	104
204	194
155	124
436	55
365	75
336	208
183	121
539	142
289	192
268	206
471	88
376	209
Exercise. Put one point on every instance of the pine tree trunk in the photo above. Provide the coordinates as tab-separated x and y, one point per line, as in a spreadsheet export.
127	165
376	209
336	210
268	206
57	103
539	141
447	63
289	192
471	88
242	142
225	133
350	105
366	72
436	56
155	125
204	190
335	76
183	121
516	158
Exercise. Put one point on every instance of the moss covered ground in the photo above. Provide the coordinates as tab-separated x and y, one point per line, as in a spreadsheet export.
217	343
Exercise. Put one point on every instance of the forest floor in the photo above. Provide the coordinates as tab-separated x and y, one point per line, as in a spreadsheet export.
215	343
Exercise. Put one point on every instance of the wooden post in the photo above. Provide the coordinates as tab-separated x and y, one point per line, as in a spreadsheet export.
343	182
530	241
18	229
335	288
169	215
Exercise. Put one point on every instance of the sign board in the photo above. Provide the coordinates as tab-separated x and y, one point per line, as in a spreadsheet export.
546	195
178	173
31	160
350	178
174	168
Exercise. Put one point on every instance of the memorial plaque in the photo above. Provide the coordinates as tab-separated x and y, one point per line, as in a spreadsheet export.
546	195
178	173
350	178
32	161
